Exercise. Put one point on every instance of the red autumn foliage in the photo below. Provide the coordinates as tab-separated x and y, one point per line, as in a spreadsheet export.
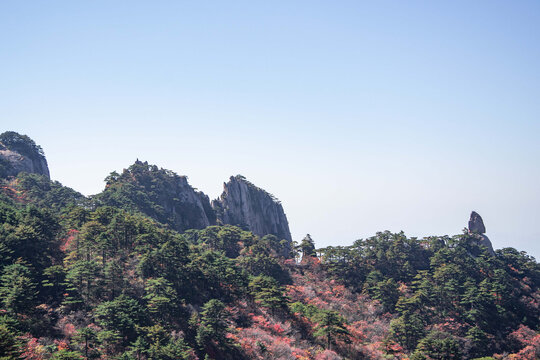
67	242
32	349
530	340
12	192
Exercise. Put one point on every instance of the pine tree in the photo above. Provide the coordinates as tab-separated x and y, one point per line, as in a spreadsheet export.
330	326
308	247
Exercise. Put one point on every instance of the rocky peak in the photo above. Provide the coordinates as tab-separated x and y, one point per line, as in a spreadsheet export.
477	230
160	194
19	153
244	204
476	224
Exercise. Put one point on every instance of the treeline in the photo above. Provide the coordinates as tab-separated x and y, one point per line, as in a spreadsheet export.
444	292
82	279
126	284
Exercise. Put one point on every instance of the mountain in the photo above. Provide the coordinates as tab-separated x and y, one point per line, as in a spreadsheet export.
115	276
245	205
169	199
160	194
19	153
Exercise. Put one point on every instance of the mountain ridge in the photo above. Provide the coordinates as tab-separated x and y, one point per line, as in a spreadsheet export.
163	194
98	278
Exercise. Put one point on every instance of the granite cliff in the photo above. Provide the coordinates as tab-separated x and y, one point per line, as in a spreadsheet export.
160	194
248	206
168	198
19	153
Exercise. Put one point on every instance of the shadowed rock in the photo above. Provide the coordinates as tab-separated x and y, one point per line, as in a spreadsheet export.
477	230
484	241
476	225
159	193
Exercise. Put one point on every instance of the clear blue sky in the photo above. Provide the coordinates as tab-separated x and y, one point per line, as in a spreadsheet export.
359	116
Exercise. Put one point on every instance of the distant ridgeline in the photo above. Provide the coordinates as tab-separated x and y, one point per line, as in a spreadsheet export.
151	269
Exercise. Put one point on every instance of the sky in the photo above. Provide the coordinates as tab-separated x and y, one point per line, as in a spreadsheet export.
360	116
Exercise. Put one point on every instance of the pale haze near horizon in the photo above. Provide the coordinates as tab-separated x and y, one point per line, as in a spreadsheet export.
359	116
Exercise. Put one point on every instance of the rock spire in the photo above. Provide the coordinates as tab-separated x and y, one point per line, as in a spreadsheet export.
477	229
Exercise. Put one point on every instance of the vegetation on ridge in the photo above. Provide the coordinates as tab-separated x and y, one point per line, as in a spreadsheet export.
22	144
158	193
98	279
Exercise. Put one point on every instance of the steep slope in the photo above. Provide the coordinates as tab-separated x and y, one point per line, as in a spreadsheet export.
160	194
27	188
19	153
246	205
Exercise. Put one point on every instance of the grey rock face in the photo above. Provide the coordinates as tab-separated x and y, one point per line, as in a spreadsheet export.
160	194
197	201
477	230
191	208
13	162
484	241
248	206
476	225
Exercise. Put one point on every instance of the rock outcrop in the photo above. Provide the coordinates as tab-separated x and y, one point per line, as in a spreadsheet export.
169	199
476	224
245	205
19	153
477	230
192	207
160	194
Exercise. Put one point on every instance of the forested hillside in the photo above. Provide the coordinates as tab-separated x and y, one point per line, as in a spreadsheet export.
117	277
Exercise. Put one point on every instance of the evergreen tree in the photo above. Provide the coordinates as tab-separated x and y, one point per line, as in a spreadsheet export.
330	326
438	346
213	324
10	346
307	247
17	289
267	292
122	315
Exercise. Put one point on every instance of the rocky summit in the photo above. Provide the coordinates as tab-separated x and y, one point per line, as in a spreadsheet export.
19	153
477	229
245	205
476	224
160	194
170	199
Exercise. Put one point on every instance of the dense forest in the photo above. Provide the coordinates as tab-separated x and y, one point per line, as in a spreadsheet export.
97	278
